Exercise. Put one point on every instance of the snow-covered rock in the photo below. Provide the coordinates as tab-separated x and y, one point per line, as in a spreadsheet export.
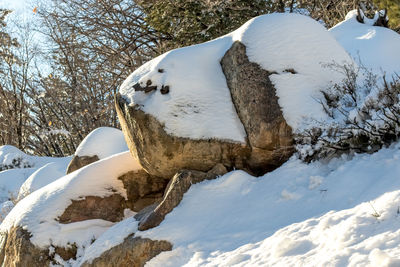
376	48
98	144
102	142
63	217
43	176
194	124
41	213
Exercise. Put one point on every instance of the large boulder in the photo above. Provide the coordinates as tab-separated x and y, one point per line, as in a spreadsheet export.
142	189
162	154
235	100
269	140
134	252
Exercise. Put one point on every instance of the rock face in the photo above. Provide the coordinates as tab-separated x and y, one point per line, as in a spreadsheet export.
177	187
109	208
256	103
134	251
79	162
142	189
269	138
163	155
18	251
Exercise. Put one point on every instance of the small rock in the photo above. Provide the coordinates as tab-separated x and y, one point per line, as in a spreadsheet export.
177	187
78	162
164	89
109	208
133	252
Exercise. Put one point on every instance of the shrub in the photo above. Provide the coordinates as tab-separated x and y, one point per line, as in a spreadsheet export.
364	112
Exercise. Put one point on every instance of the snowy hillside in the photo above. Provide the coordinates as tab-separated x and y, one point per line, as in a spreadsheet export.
299	215
342	211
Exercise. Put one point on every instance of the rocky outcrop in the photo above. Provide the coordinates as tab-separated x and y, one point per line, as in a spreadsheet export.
269	138
109	208
78	162
142	189
177	187
18	251
134	252
256	103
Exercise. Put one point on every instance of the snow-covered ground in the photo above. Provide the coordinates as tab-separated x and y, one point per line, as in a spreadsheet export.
10	155
336	214
345	212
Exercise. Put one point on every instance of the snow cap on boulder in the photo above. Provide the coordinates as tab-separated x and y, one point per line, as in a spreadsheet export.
98	144
186	95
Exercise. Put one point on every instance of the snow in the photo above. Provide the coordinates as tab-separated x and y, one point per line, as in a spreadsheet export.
15	168
8	154
43	176
11	181
374	47
103	142
314	214
5	209
38	212
352	237
199	104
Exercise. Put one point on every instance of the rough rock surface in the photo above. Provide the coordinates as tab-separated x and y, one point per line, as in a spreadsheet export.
18	251
79	162
163	155
256	103
142	189
109	208
269	138
134	252
177	187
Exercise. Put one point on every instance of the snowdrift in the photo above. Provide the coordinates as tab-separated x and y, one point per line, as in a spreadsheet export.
375	48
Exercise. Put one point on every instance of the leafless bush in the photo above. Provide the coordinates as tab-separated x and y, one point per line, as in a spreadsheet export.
364	116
